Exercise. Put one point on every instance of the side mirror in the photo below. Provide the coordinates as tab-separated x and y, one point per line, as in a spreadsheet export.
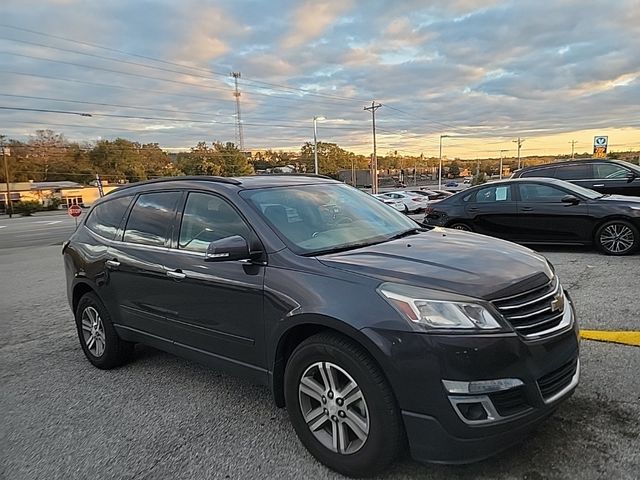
631	176
227	249
571	199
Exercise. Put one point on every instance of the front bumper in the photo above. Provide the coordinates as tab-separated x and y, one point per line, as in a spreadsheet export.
436	429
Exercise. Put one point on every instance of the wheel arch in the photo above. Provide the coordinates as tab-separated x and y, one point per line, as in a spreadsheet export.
80	289
305	327
610	218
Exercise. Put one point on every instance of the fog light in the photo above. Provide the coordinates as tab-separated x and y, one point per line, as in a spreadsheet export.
483	386
473	411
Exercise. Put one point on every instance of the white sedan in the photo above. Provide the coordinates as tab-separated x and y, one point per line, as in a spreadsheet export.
412	202
396	204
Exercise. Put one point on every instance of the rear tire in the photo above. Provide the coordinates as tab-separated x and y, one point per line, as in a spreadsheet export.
617	237
362	399
460	226
99	341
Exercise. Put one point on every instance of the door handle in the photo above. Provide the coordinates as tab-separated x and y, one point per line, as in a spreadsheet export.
473	209
113	264
526	209
599	185
177	274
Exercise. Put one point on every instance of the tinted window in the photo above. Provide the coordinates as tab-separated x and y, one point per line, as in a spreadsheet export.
498	193
534	192
106	217
151	218
539	172
609	170
574	172
207	218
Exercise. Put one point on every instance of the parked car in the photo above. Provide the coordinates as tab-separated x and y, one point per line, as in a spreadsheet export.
614	177
395	204
414	203
378	336
432	194
442	194
544	211
451	184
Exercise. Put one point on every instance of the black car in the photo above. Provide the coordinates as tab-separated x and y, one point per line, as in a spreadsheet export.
614	177
373	332
543	211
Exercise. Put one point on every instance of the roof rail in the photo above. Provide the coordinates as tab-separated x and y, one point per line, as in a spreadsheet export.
200	178
312	175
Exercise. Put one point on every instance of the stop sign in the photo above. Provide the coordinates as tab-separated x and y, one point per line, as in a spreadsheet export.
75	210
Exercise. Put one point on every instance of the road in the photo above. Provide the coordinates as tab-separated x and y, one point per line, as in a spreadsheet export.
163	417
38	230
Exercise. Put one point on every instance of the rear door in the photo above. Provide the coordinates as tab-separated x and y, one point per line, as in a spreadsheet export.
614	179
578	173
138	276
492	211
544	218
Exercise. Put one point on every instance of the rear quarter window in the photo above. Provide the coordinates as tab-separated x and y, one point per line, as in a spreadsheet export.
106	217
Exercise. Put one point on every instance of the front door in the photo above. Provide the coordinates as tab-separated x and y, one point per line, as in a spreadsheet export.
218	308
544	218
614	179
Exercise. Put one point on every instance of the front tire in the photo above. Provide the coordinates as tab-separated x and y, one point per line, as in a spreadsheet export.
617	237
99	341
461	226
341	406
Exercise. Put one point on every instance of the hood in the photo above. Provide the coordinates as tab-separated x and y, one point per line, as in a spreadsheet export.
447	260
621	199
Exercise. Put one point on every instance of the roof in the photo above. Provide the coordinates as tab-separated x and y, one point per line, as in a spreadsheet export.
54	185
252	181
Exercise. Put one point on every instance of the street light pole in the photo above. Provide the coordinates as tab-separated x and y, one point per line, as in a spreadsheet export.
440	170
315	143
501	160
9	205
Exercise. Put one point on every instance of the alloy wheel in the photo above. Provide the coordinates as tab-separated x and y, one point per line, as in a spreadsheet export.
461	226
617	238
334	408
93	331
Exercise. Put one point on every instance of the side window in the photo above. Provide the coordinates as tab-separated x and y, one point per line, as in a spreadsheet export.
207	218
106	217
574	172
609	171
535	192
540	172
151	218
498	193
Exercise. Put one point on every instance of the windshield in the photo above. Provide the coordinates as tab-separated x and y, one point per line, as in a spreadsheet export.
316	219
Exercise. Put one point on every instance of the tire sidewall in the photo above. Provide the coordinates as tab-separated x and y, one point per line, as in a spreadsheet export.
466	228
379	422
636	237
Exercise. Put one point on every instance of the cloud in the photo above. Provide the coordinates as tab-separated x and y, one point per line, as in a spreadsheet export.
311	19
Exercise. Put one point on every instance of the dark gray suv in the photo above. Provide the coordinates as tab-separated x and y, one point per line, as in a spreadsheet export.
612	177
377	335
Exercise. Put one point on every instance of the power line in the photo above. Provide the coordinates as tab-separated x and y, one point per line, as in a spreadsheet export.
166	62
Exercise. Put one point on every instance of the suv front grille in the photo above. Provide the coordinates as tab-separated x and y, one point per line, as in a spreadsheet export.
552	383
535	310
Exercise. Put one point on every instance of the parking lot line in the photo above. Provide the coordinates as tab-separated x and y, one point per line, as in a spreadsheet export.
623	337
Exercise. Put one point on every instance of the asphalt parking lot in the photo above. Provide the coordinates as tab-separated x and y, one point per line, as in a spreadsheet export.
164	417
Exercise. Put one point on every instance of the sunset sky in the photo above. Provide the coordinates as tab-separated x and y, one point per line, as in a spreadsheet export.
483	72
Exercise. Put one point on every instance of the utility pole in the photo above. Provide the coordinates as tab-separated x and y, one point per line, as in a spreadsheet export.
5	154
519	141
440	168
236	93
374	161
501	160
315	143
573	145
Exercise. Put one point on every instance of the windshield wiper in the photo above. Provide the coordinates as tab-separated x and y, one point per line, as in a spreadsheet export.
342	248
406	233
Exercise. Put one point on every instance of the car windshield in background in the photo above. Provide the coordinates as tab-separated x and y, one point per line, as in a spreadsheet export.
316	219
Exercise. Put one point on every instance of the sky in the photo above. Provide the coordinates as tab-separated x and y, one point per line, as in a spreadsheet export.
480	72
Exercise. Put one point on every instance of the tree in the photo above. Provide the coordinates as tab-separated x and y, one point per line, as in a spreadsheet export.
218	159
454	169
331	158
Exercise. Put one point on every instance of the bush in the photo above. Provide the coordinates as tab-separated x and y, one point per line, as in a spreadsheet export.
27	208
53	204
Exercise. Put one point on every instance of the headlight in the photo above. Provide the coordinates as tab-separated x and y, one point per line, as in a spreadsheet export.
419	306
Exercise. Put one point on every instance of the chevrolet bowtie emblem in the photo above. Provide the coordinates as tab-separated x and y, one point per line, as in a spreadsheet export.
557	304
